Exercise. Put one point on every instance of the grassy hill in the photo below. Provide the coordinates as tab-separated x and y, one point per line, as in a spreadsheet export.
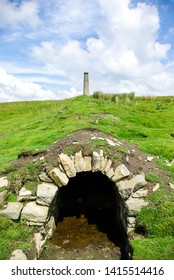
148	122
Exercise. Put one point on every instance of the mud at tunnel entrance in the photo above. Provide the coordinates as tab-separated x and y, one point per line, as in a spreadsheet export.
91	220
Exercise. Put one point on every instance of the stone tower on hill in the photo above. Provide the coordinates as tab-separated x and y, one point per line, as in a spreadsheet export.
86	84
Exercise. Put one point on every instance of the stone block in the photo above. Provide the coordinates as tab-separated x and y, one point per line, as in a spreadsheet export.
45	193
95	161
127	187
121	172
87	163
3	182
79	162
3	196
44	178
18	255
12	211
25	195
34	213
68	165
59	177
135	205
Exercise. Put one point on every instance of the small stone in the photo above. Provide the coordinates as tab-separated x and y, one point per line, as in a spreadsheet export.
139	158
150	158
3	182
157	186
12	211
171	185
42	158
18	255
112	143
40	242
3	196
127	158
140	194
43	177
131	221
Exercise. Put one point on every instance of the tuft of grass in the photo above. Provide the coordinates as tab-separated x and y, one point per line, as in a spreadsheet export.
153	248
153	178
13	235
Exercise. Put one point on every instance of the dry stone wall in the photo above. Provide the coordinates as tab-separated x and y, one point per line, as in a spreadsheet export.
39	210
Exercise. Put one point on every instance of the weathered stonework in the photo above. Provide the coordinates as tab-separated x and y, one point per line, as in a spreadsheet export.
41	211
12	211
34	213
46	193
59	177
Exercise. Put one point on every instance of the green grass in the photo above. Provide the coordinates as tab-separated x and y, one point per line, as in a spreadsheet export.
36	125
153	248
13	235
153	178
148	122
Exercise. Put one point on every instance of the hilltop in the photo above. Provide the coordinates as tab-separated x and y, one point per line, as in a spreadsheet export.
30	131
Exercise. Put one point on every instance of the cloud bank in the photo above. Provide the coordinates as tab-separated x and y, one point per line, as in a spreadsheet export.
117	42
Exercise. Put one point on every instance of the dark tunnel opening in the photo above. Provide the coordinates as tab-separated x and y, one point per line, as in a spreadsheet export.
93	197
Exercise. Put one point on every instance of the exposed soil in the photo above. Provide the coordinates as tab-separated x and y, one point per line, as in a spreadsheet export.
76	238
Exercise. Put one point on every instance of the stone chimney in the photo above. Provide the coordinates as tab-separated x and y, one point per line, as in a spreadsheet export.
86	84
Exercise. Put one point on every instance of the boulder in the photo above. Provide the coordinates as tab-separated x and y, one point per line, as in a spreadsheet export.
12	211
135	205
18	255
68	165
45	193
121	172
3	182
34	213
127	187
79	162
59	177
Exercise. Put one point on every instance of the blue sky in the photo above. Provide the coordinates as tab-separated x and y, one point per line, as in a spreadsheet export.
47	45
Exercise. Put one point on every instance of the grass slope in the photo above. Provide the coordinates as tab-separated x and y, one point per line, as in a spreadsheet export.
146	122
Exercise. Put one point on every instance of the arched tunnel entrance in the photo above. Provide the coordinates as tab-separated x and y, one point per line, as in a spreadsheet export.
90	200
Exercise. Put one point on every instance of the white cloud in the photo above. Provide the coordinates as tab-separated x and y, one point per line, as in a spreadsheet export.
126	54
115	41
13	89
13	15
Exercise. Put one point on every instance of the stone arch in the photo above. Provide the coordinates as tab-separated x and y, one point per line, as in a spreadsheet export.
44	211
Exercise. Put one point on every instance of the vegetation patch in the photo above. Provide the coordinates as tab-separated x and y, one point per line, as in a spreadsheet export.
14	235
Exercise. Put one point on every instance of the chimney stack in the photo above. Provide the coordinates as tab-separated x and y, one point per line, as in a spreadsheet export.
86	84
